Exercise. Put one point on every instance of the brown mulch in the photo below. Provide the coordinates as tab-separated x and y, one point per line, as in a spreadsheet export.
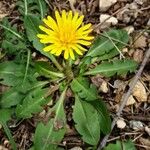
139	111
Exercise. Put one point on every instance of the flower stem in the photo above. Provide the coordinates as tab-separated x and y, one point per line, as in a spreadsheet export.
56	63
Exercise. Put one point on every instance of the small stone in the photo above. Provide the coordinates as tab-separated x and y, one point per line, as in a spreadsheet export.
139	92
138	55
140	42
129	29
130	101
107	21
104	87
140	2
105	4
125	50
76	148
136	125
121	123
147	130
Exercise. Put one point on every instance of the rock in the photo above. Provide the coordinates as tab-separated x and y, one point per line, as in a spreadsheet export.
76	148
104	87
105	4
140	42
129	11
136	125
121	123
129	29
139	92
130	101
139	2
145	142
147	130
107	20
138	55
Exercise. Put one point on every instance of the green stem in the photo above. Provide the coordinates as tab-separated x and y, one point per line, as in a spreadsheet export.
68	71
8	133
56	63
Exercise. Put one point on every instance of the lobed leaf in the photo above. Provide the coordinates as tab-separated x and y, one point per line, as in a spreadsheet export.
104	117
31	24
46	69
103	45
32	103
119	67
86	119
129	145
47	137
85	90
36	7
13	42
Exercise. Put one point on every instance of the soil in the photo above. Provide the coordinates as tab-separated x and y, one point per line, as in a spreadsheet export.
132	15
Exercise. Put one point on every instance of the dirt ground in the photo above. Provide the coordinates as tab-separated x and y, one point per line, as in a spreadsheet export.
134	123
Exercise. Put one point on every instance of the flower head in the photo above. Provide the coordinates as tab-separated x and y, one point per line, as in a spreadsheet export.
65	35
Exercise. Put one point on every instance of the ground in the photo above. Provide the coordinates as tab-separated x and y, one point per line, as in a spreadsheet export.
134	122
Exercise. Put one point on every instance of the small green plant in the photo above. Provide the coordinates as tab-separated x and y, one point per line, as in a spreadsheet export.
31	82
119	145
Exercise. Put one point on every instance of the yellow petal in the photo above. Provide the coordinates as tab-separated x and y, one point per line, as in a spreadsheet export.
77	50
85	27
83	42
59	52
86	37
71	54
79	21
80	47
49	48
75	17
42	36
66	54
58	18
64	15
46	30
50	22
48	40
81	33
70	15
53	51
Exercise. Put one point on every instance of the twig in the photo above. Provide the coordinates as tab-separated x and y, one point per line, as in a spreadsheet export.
125	98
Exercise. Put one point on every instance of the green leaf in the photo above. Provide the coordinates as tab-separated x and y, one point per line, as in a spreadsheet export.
5	115
86	119
84	89
11	98
11	73
36	7
32	103
103	45
129	145
47	137
104	118
46	69
119	67
31	24
13	42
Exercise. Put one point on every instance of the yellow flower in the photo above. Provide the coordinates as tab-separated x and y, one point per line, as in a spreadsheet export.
65	34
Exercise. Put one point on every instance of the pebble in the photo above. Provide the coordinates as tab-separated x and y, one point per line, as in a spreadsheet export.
107	23
136	125
129	29
76	148
105	4
121	123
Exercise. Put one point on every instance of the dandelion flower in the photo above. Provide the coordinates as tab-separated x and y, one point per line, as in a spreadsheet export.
65	35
